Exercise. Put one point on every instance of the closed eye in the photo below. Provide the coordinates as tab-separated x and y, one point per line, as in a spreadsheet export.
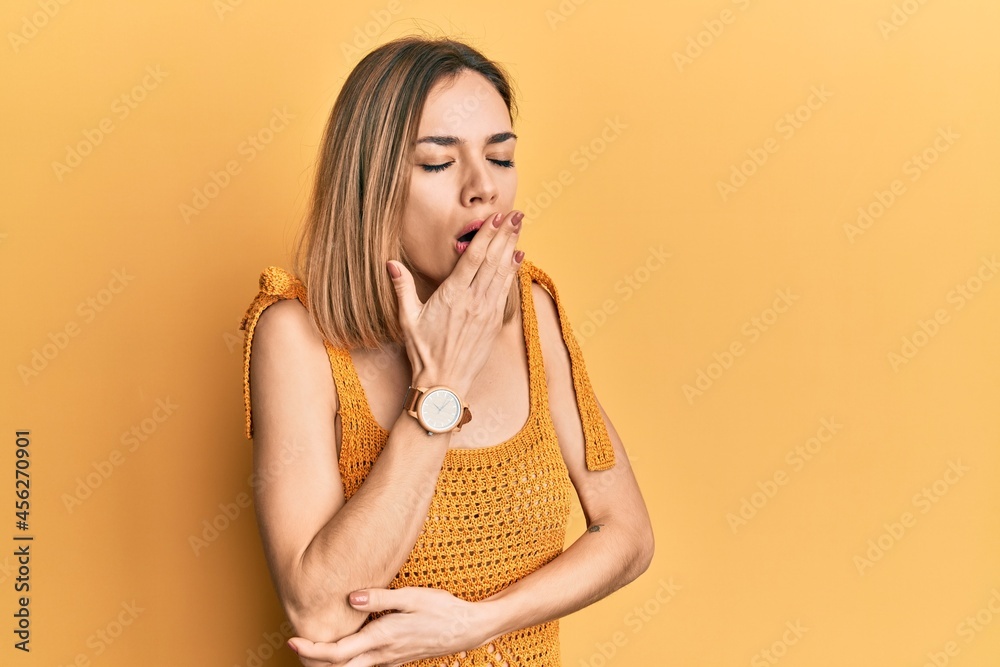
507	164
435	167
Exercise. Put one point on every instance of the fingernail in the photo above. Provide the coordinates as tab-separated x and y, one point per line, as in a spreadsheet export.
359	599
393	271
517	218
518	256
292	646
496	219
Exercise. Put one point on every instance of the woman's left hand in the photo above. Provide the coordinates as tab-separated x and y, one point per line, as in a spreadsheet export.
427	623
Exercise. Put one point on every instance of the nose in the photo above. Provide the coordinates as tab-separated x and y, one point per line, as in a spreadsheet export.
479	186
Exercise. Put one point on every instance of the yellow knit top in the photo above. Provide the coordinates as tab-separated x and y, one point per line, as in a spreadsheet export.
498	512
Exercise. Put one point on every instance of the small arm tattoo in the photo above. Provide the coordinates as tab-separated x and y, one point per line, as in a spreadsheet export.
595	528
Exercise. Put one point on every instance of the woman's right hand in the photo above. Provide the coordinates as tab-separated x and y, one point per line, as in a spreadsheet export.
450	337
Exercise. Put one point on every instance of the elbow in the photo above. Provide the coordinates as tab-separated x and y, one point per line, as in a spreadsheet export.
649	546
643	549
322	615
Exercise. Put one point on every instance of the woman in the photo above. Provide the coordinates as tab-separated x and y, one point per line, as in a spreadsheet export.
438	537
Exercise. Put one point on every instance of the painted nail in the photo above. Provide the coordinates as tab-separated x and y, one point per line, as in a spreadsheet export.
518	256
496	219
517	218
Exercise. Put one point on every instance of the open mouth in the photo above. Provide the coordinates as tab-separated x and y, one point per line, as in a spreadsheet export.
467	237
462	241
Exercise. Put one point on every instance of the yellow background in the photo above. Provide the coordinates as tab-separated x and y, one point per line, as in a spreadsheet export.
663	132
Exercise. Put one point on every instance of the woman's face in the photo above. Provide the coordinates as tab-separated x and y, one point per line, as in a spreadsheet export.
463	171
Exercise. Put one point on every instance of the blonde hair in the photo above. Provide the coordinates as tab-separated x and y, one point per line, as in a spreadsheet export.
362	181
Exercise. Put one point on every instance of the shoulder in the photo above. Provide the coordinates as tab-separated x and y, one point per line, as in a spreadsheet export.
286	341
285	323
286	332
279	309
289	356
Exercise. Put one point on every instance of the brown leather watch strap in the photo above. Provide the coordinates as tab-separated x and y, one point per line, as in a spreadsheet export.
410	400
466	417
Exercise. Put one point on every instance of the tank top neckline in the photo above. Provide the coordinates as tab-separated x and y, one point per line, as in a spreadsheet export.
536	401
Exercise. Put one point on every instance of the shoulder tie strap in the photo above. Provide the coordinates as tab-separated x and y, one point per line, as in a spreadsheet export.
599	451
275	283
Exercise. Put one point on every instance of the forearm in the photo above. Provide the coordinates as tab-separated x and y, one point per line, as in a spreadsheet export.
367	541
602	560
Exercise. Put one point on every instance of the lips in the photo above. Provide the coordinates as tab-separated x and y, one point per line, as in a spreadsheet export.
464	238
469	230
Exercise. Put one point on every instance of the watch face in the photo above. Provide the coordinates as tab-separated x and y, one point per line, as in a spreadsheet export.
440	409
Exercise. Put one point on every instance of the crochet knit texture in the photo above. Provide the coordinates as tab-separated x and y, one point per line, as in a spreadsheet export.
498	512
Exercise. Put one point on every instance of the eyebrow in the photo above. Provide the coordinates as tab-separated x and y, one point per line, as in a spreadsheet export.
497	138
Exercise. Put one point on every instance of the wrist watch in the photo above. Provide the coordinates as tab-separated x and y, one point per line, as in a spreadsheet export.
437	408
